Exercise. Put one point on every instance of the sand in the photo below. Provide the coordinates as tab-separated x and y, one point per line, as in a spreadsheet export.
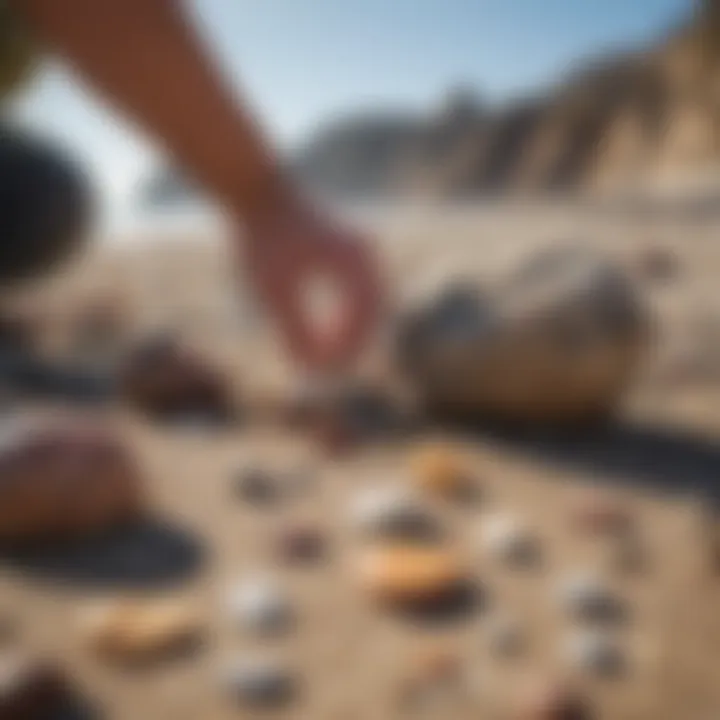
663	457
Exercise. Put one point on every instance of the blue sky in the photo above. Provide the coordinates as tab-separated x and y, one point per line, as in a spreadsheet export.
301	61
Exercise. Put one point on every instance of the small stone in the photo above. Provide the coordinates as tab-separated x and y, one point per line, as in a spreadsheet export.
505	637
256	485
302	542
551	701
136	630
599	513
260	607
392	513
260	682
594	651
440	470
587	598
507	539
408	575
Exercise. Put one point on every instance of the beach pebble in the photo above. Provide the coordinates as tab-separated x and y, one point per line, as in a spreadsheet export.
301	542
411	575
391	512
586	597
504	637
597	512
594	651
140	630
260	606
506	538
440	469
548	700
165	379
260	682
256	485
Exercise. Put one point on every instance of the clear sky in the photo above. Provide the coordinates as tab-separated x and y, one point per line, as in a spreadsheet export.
304	60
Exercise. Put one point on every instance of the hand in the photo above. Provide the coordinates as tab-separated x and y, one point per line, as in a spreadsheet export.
290	249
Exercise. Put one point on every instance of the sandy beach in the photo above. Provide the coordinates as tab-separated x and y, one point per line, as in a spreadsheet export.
662	457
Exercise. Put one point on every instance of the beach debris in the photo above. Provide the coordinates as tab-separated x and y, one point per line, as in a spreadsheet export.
586	597
260	682
33	689
441	470
260	606
550	700
411	575
508	539
594	651
136	630
505	637
598	512
392	512
301	542
64	477
164	379
557	343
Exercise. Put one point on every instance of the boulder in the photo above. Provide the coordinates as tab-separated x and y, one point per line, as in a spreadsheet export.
558	342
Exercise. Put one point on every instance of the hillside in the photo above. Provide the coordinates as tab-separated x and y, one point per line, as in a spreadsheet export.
647	118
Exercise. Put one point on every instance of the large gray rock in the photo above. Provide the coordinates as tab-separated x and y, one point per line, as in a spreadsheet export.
558	341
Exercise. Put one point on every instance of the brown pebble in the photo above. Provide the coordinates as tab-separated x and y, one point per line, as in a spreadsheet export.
440	469
409	575
302	542
131	631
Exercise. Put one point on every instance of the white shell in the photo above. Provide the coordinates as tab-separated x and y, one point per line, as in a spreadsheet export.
390	512
260	606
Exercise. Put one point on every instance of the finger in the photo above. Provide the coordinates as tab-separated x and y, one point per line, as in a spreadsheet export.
357	277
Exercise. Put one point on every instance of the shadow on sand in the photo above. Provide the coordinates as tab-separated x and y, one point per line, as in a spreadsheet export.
663	459
147	555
